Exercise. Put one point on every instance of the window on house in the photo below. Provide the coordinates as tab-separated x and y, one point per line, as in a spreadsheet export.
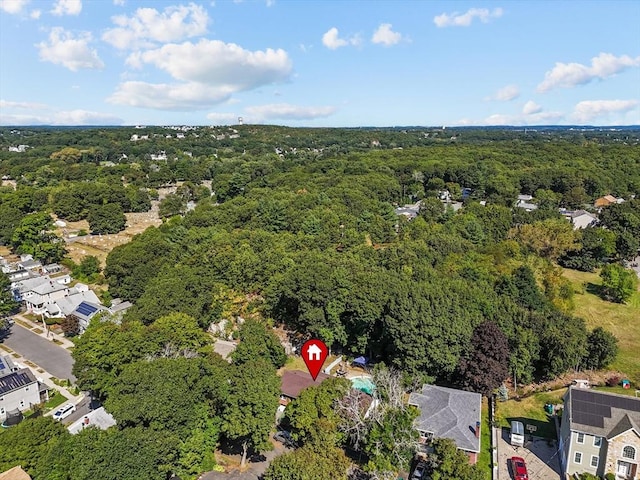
629	452
21	403
597	441
580	438
1	410
594	461
577	458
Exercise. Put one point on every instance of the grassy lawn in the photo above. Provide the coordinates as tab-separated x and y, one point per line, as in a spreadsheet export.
530	411
484	460
618	389
297	363
621	320
55	399
24	324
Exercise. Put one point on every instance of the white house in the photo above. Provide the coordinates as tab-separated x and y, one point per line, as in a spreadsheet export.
583	219
19	388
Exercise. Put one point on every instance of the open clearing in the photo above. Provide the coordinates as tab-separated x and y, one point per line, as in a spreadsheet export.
623	320
100	245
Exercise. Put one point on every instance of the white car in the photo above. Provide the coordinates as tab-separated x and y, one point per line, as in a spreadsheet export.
64	411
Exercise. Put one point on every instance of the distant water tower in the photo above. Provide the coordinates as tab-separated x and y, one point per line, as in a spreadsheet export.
240	120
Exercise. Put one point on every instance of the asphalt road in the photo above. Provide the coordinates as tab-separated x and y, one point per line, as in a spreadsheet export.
54	359
82	408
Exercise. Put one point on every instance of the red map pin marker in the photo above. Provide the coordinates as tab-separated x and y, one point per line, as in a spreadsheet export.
314	353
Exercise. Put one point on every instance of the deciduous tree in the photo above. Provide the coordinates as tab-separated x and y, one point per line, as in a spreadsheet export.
618	283
251	405
108	218
602	349
258	341
487	365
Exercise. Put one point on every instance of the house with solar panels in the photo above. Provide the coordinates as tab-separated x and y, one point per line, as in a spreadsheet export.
85	312
600	434
19	389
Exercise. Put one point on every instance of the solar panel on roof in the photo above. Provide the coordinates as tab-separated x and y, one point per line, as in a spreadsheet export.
584	418
86	309
2	365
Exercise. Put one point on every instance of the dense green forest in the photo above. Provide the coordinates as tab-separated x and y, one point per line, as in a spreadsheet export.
298	230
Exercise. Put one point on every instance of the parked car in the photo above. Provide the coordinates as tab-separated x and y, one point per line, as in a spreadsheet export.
285	438
420	471
64	411
519	469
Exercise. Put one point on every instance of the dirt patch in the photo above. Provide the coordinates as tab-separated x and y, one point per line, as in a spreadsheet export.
100	245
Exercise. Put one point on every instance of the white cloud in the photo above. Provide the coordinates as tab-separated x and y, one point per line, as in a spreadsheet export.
456	19
177	97
531	107
220	118
67	7
539	118
13	6
148	25
270	3
588	110
285	111
505	94
572	74
532	114
216	63
71	52
119	3
35	14
499	119
386	36
331	39
68	117
21	105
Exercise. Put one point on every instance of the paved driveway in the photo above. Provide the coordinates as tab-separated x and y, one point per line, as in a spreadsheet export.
540	457
44	353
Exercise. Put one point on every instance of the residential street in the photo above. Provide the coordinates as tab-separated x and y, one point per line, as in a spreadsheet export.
46	354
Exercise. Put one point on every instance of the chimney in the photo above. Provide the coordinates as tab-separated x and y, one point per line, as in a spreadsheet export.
477	429
86	420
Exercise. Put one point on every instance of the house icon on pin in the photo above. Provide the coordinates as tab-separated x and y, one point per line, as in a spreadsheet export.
314	352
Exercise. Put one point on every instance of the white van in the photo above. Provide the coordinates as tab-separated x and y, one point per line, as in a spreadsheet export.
517	434
64	411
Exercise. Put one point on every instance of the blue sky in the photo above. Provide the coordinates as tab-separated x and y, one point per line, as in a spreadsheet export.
319	63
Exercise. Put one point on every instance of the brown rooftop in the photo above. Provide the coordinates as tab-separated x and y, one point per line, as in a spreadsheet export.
294	381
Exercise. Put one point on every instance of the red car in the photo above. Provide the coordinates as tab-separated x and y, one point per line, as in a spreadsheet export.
519	469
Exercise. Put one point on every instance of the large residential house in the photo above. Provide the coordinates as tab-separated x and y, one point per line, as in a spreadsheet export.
19	388
600	434
37	287
449	413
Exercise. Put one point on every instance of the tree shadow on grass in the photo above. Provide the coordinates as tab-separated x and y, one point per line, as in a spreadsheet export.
597	290
539	428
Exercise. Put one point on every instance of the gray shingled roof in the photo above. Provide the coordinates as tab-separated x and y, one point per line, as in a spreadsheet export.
449	413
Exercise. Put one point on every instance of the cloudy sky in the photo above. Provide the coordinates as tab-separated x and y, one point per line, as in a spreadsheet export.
319	62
